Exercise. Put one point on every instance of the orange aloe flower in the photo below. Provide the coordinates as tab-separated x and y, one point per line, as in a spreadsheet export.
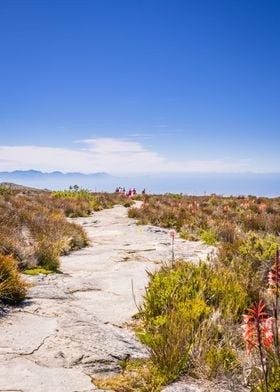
257	327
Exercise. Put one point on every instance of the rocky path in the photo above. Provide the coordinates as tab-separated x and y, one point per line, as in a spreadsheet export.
76	324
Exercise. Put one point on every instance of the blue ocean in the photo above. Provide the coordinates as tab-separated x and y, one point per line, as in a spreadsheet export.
191	184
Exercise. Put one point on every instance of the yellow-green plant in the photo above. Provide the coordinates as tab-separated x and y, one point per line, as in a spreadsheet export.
180	301
12	286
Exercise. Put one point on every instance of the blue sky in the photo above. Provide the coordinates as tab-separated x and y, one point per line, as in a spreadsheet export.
140	85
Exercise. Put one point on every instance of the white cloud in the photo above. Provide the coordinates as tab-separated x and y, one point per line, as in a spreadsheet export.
140	135
105	154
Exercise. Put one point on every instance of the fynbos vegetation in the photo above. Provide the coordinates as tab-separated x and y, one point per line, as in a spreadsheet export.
35	231
192	314
192	317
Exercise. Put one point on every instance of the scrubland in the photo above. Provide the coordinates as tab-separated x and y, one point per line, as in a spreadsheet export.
35	231
216	320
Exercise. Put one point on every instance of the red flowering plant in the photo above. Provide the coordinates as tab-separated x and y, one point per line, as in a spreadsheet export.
261	330
257	326
258	334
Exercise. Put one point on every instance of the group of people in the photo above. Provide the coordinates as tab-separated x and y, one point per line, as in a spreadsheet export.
130	192
122	191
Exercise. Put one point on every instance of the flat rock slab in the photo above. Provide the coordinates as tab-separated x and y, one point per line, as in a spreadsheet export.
21	374
74	324
23	333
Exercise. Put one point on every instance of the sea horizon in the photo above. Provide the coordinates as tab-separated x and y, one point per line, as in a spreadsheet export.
226	184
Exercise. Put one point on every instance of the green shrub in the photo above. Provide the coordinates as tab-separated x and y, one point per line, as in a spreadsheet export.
133	213
140	377
189	235
170	337
76	202
249	259
259	247
220	360
47	255
179	303
208	237
12	287
6	190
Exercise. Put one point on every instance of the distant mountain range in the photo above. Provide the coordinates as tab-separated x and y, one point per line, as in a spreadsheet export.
35	174
58	180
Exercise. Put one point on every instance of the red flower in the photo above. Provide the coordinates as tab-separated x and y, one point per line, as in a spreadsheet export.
257	327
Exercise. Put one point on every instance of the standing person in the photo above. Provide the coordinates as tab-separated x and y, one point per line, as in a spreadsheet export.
144	192
134	191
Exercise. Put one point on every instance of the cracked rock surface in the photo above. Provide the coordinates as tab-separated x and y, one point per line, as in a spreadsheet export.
74	325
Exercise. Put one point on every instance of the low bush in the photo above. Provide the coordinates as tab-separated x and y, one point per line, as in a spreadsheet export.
189	319
12	286
76	203
208	237
249	259
221	360
47	255
139	376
